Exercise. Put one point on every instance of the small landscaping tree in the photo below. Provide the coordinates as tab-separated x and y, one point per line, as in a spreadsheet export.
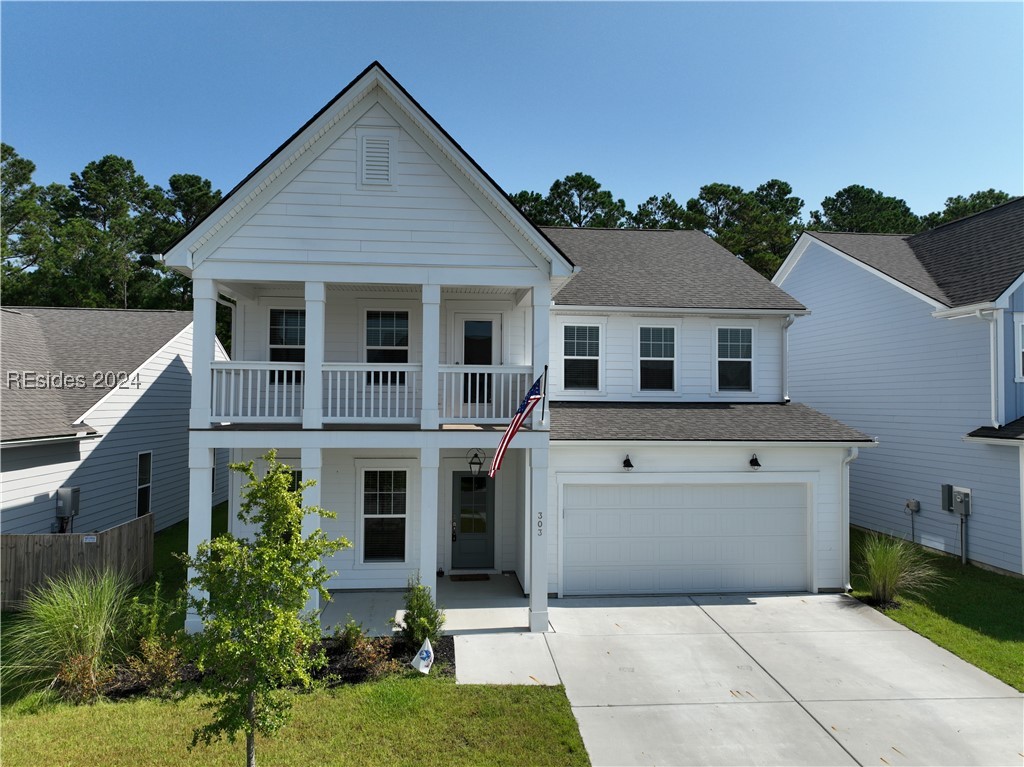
257	636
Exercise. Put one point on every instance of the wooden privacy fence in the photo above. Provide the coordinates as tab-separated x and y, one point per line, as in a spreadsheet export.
28	560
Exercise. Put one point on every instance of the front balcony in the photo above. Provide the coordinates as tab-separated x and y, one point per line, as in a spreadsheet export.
275	393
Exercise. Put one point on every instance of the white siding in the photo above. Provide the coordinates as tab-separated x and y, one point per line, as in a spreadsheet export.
696	357
871	355
819	467
153	417
323	215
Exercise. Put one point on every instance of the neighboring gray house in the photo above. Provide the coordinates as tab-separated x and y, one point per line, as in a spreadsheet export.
96	399
919	341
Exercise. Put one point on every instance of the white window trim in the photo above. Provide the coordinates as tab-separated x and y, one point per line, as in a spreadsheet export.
365	318
391	135
412	516
750	325
140	485
270	315
1018	349
365	306
676	372
454	310
602	354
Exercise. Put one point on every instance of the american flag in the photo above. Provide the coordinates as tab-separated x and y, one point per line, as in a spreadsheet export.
525	408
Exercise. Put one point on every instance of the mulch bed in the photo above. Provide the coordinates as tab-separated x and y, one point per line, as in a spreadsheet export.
342	667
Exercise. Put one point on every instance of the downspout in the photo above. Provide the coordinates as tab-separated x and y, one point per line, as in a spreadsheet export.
785	357
851	455
990	318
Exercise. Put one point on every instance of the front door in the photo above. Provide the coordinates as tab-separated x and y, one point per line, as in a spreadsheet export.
472	521
480	345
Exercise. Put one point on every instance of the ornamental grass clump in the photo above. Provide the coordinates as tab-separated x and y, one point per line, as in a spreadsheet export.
71	633
893	567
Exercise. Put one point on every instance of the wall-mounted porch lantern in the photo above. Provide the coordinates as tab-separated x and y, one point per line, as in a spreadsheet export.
754	463
476	461
627	464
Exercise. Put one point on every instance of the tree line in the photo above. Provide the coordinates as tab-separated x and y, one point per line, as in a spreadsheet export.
759	225
95	241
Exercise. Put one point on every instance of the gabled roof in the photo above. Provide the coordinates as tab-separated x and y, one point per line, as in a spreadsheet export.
671	269
71	343
969	261
696	422
1011	432
375	75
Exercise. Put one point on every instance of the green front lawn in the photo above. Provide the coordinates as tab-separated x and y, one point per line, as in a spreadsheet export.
976	614
400	721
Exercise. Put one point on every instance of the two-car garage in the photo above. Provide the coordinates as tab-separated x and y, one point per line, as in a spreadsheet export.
651	538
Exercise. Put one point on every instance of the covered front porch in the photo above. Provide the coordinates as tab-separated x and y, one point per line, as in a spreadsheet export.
496	604
410	512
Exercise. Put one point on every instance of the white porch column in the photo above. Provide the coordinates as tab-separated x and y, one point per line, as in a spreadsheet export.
311	464
430	330
539	532
200	502
204	330
313	380
541	310
429	463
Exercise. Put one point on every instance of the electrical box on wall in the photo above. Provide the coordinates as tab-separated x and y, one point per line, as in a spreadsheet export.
947	498
962	501
67	501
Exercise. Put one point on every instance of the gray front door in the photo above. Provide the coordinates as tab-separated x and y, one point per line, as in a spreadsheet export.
472	521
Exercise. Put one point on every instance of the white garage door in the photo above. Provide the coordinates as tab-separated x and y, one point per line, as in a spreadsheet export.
684	539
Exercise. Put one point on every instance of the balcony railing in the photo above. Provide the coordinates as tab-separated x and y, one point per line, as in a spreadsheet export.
272	392
367	393
256	391
481	393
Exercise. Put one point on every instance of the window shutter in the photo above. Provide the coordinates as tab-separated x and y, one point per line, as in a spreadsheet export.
377	160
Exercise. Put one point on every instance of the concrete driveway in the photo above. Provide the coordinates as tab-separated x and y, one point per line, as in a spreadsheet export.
772	680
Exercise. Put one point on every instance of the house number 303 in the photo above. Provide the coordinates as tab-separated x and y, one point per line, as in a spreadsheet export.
540	523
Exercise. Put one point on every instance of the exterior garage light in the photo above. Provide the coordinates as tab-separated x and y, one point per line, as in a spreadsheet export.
627	464
754	463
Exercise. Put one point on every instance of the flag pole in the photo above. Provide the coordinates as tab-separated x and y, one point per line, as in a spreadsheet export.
544	400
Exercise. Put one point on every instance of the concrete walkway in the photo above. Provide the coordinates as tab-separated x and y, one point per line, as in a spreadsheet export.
786	680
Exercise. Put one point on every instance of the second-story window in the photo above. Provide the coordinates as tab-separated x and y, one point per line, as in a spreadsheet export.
735	359
387	342
582	357
657	359
287	342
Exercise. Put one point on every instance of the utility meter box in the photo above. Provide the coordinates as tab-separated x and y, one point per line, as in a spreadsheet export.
962	501
67	501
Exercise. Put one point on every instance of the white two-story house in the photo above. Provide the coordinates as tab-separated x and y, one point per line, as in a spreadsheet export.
391	307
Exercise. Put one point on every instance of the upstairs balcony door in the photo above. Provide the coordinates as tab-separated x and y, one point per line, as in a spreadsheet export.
479	342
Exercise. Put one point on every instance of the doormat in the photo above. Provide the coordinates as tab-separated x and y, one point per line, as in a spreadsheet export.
470	577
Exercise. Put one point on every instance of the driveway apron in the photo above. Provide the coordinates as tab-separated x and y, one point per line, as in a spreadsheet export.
772	680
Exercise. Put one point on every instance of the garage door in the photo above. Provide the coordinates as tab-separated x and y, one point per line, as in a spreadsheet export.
684	539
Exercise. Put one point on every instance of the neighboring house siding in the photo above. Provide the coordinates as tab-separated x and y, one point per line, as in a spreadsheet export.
153	418
322	214
696	357
872	356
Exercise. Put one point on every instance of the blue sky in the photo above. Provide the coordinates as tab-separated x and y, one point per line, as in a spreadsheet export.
920	100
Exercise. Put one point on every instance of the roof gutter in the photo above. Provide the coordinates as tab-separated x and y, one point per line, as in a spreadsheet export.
959	312
50	440
576	309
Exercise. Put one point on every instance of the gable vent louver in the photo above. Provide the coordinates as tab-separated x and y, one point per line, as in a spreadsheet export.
377	160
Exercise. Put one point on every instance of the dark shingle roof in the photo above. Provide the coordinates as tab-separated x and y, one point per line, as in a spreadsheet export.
71	342
1014	430
696	422
969	261
671	269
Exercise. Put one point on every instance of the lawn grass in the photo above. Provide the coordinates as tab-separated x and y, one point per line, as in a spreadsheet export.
975	614
398	721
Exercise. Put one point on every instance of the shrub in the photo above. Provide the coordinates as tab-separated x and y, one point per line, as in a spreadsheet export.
373	656
149	614
893	567
423	618
157	665
349	635
73	629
